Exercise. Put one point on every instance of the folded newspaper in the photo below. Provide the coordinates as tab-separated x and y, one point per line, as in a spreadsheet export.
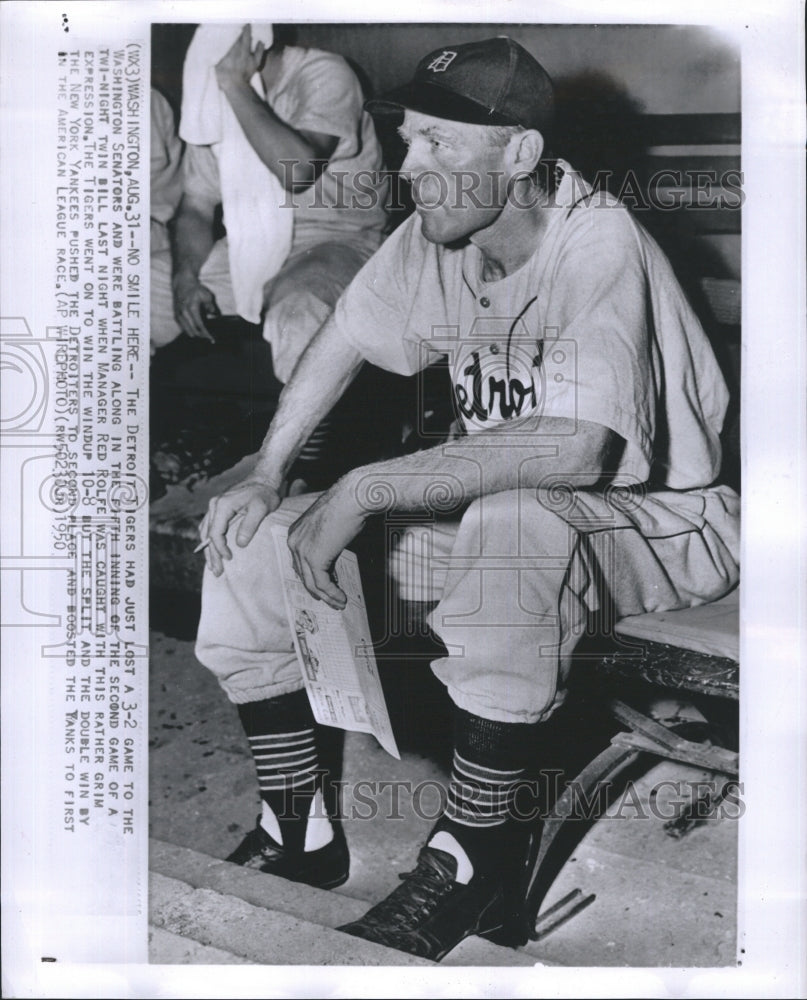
335	651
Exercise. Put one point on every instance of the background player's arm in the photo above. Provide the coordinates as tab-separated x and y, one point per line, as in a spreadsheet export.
296	158
305	152
192	242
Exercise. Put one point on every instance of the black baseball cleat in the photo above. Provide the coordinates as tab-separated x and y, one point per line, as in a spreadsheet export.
431	912
325	868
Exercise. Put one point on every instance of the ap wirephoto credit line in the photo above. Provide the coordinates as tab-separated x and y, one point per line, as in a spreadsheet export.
401	549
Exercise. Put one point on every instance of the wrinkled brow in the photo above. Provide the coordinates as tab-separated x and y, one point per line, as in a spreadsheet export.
408	130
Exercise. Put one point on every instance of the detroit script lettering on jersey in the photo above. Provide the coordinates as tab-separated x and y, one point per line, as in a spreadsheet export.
493	383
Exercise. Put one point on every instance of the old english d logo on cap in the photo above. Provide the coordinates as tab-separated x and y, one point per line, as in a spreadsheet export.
442	62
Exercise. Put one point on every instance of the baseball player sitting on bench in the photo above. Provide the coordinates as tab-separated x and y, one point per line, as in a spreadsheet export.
576	361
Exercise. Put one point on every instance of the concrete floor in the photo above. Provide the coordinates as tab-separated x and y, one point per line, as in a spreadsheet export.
659	901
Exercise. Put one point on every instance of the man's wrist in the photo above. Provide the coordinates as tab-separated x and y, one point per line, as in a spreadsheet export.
233	86
184	275
363	493
269	475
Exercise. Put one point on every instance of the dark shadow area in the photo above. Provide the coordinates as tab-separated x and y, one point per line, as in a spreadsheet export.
210	403
175	613
605	134
597	128
169	43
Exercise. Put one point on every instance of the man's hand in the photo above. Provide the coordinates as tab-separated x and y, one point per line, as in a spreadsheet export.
317	538
240	63
193	304
252	499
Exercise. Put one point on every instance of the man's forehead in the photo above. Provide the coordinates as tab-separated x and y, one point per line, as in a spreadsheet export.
419	123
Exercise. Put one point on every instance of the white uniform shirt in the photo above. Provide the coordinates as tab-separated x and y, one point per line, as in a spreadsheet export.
319	92
594	326
166	181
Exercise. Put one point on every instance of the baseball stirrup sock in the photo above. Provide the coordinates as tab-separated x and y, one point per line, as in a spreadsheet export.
490	761
283	743
480	796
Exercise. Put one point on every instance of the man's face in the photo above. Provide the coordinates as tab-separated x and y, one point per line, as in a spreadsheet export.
459	179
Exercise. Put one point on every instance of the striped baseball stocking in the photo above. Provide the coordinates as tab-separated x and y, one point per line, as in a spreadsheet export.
282	738
490	760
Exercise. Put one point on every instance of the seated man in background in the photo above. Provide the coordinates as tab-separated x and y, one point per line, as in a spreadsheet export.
166	191
578	367
276	137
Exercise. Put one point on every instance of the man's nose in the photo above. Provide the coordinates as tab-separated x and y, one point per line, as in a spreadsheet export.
405	170
411	165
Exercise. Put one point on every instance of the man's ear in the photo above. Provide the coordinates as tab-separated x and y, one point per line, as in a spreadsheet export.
529	146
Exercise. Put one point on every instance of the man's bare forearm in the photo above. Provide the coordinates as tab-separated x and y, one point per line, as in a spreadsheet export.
277	144
323	373
532	453
192	237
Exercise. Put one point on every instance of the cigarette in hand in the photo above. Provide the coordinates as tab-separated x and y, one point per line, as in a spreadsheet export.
205	542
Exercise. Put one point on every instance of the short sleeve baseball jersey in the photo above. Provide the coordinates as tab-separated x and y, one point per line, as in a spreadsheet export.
593	326
317	91
166	158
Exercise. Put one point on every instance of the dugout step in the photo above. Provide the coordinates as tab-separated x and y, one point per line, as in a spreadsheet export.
209	902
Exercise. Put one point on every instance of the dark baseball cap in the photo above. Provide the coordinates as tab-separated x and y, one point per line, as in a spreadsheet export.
492	82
